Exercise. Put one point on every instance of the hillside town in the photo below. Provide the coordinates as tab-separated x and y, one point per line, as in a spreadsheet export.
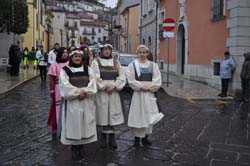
125	82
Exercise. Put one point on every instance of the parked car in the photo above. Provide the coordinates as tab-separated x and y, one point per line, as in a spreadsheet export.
115	54
125	60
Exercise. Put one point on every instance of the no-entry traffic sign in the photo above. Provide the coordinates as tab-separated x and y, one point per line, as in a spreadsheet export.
168	24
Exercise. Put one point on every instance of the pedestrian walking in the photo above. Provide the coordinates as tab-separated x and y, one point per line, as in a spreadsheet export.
25	58
54	72
245	78
52	54
42	63
227	67
144	78
77	86
110	80
32	58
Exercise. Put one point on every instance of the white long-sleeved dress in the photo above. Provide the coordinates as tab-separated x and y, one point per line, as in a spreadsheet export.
78	116
109	106
143	108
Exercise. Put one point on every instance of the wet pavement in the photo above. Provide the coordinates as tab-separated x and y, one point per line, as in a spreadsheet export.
198	132
183	88
8	82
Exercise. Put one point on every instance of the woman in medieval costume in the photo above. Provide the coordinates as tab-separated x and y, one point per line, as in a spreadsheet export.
144	78
77	87
54	72
110	80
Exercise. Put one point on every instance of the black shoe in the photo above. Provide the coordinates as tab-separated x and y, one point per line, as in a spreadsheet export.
137	142
245	100
104	140
54	137
223	95
145	141
112	141
220	94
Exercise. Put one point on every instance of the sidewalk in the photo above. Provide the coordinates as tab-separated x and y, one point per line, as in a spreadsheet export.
8	83
183	88
178	87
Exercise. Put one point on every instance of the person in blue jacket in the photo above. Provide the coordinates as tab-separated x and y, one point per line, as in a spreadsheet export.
227	67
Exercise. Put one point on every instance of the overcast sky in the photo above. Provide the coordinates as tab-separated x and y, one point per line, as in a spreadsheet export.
111	3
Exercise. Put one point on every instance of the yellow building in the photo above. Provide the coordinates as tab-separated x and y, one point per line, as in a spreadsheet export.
129	32
38	32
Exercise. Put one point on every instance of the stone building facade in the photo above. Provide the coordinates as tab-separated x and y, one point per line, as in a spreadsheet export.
203	33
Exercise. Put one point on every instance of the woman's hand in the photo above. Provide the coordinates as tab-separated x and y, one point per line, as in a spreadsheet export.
110	89
145	88
82	95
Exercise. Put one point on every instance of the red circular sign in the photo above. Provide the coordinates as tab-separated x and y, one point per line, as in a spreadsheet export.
168	24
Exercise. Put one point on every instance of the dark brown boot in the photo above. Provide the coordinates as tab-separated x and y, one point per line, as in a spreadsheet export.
81	151
103	140
145	141
75	153
112	141
137	142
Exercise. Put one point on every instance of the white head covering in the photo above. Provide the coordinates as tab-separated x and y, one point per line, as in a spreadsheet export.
108	45
137	66
141	46
76	52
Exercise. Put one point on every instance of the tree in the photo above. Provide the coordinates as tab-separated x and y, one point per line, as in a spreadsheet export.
14	16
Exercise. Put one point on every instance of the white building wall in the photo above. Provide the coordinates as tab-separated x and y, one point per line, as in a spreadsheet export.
239	39
97	34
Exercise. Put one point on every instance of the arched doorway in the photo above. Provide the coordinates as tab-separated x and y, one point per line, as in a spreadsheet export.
181	50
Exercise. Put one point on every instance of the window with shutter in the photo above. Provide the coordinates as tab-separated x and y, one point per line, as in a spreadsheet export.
218	10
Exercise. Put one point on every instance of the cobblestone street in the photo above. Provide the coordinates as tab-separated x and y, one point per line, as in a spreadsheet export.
193	133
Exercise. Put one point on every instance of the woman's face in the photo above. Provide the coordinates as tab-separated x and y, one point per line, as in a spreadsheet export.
142	54
91	54
65	54
106	51
77	59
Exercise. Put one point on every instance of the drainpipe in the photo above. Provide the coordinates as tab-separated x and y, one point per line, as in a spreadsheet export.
128	41
156	28
141	24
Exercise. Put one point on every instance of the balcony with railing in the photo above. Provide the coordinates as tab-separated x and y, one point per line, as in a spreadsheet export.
74	27
124	32
73	35
88	33
66	24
